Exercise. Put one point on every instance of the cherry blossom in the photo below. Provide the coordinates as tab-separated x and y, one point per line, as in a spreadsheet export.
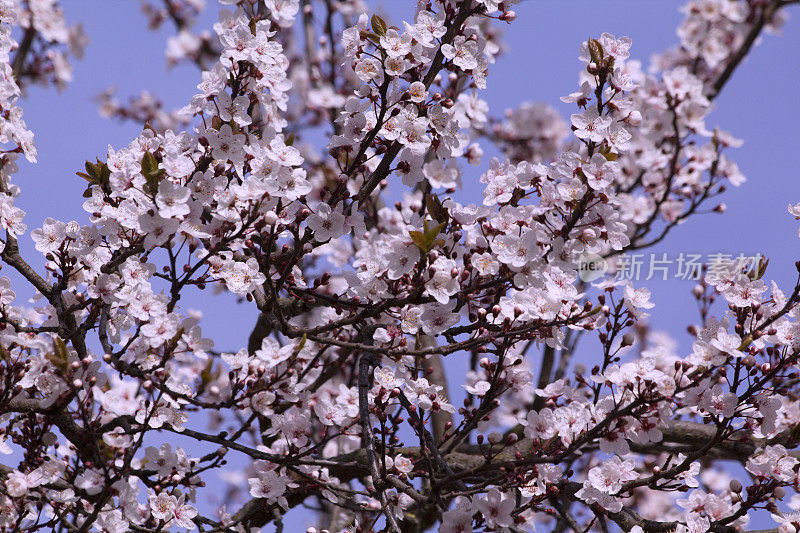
314	176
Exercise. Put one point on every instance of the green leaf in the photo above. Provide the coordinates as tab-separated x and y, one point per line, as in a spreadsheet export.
427	239
289	140
105	173
746	342
92	169
4	354
96	173
369	35
149	163
152	174
759	268
301	344
596	51
419	239
378	25
435	208
435	231
608	154
596	309
60	356
206	374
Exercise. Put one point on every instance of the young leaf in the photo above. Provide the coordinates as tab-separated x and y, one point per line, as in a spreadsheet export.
435	208
4	355
596	51
85	176
378	25
418	238
205	374
60	356
151	172
427	239
369	35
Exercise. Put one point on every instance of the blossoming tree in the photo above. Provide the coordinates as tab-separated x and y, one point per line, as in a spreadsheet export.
363	275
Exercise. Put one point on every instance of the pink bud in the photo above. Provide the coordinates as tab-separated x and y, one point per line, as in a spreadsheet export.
508	16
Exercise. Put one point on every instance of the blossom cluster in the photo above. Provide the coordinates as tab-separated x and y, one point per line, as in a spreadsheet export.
341	393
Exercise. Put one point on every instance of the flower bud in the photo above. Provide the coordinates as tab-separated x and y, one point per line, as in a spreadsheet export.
508	16
627	340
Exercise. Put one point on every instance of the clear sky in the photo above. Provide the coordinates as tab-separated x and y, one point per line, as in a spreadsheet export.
759	105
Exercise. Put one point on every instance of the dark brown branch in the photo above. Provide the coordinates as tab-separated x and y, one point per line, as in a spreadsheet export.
764	17
22	52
